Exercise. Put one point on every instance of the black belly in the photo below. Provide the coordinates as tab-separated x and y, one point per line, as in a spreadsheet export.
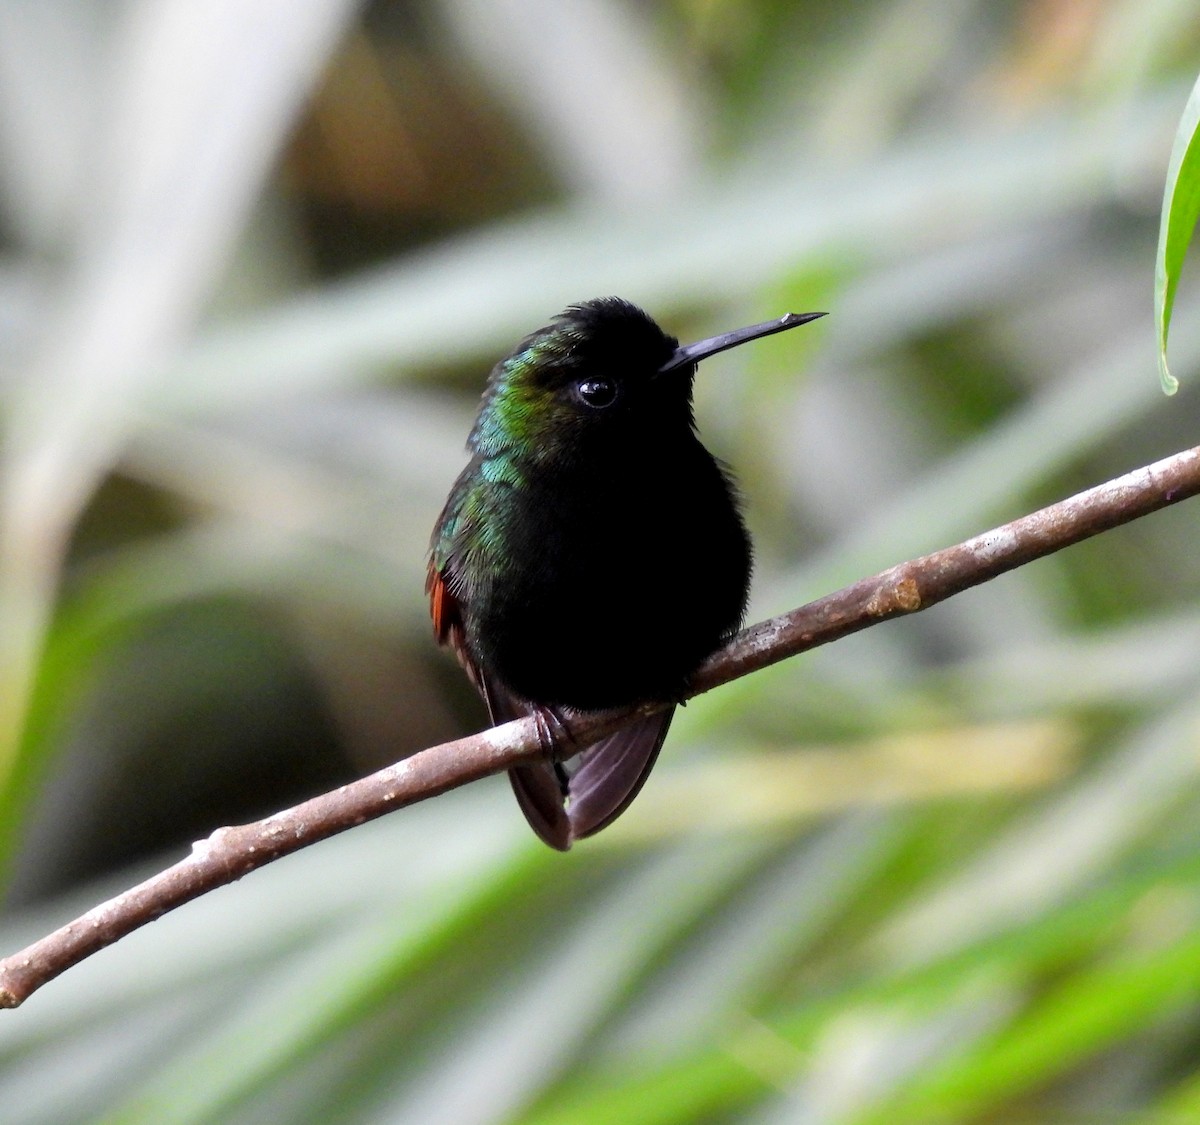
626	592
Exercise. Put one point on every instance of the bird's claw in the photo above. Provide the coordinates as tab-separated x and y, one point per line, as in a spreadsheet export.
553	734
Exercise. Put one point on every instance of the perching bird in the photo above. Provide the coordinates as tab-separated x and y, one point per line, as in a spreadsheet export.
591	554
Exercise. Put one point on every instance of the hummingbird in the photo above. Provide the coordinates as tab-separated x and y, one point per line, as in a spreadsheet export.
592	553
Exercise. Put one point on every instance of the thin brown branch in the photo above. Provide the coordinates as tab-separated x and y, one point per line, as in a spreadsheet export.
230	853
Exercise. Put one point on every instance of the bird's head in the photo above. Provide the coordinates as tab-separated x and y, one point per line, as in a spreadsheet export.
602	367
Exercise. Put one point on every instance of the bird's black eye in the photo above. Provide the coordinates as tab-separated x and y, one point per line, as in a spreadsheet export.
598	393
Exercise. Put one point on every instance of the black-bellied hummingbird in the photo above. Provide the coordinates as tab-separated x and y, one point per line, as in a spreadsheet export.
592	553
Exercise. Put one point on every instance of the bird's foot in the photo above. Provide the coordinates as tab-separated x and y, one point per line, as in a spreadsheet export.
553	734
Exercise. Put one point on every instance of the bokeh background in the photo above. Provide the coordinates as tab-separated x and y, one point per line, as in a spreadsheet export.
256	258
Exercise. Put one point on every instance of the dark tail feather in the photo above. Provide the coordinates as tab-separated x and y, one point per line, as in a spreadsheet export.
609	775
537	788
541	799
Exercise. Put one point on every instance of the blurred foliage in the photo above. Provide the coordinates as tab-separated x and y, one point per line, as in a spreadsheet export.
1181	208
255	261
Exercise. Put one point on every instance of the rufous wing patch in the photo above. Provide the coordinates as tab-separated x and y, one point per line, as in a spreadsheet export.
443	606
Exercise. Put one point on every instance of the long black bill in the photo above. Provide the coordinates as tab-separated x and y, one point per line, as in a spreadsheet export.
702	349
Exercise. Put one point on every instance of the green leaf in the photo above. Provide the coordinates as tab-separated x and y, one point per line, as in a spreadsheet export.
1181	207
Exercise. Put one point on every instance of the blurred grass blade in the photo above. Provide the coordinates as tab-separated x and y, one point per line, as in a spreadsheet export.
1085	1015
411	313
204	99
506	1051
762	787
1181	207
300	1005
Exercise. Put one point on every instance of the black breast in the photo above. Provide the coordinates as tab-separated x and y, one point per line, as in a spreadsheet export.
634	575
